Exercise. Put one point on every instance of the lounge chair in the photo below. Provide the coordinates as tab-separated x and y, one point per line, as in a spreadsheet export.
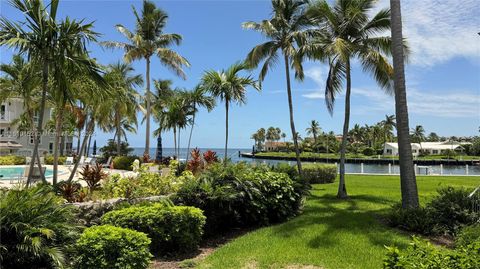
108	163
88	160
69	161
28	160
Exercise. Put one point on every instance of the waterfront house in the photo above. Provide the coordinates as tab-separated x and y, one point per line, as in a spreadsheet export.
431	148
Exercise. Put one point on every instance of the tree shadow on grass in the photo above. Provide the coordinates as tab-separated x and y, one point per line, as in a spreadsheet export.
335	217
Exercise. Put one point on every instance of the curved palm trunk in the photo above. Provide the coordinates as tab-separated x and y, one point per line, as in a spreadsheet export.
178	147
147	94
342	189
58	130
175	142
79	137
39	126
90	127
190	136
117	119
292	123
226	133
407	173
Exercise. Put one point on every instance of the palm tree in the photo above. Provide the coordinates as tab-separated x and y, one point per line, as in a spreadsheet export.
48	44
418	134
408	181
388	124
198	98
148	40
345	31
228	86
159	103
314	130
283	29
120	77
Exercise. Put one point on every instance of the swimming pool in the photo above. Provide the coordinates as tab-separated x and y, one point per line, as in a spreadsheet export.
16	172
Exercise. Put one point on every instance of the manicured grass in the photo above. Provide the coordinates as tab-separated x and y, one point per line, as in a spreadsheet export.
331	233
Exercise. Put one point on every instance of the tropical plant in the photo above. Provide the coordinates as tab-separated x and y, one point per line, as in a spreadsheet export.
228	86
36	228
92	175
149	40
388	124
314	130
418	135
283	29
344	32
408	181
159	103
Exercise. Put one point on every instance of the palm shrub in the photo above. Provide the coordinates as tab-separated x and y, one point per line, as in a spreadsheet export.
171	228
110	247
124	162
319	173
92	175
37	230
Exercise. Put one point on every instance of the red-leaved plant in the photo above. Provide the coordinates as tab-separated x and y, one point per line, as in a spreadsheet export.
210	157
92	175
196	163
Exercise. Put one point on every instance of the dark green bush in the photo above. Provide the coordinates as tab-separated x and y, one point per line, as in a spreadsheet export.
12	160
468	235
110	247
369	151
110	149
124	162
422	254
290	170
171	228
417	220
452	209
61	160
319	173
240	195
36	230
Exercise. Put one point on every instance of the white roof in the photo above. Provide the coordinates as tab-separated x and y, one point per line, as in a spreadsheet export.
430	145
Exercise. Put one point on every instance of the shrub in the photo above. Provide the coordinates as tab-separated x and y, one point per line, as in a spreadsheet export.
417	220
369	151
290	170
468	235
37	230
61	160
171	228
453	209
109	247
70	191
195	164
422	254
210	157
123	162
319	173
92	175
12	160
111	149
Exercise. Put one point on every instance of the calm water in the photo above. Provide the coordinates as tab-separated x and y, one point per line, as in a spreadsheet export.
16	172
233	154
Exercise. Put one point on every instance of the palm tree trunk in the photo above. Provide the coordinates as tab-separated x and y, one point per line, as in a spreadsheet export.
292	123
147	95
178	146
408	181
39	126
87	149
226	133
175	142
190	136
117	121
58	130
342	189
90	127
78	140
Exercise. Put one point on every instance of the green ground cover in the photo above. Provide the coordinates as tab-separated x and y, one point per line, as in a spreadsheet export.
331	233
361	156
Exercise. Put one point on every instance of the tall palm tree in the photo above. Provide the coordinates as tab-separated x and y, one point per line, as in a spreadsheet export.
418	134
314	130
388	124
159	103
198	98
408	181
48	44
229	86
283	30
120	77
149	40
344	31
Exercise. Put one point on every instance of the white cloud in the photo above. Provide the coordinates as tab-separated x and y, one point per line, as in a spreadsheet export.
439	30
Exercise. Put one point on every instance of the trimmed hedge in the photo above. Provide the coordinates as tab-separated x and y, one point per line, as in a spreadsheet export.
12	160
124	162
319	173
171	228
61	160
110	247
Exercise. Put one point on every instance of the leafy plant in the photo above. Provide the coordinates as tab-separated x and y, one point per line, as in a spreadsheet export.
417	220
92	175
109	247
37	229
110	149
468	235
70	191
210	157
171	228
12	160
319	173
123	162
195	164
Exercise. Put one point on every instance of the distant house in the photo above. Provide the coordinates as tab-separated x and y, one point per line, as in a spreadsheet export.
274	146
431	148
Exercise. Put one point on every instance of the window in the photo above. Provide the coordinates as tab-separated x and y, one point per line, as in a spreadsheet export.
35	116
414	150
2	112
50	148
389	151
2	132
434	151
32	140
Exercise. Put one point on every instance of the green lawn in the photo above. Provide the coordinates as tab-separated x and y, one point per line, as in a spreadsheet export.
331	233
356	156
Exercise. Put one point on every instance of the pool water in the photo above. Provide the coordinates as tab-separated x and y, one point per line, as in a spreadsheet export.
16	172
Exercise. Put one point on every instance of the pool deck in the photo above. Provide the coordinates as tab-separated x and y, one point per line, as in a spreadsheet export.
64	174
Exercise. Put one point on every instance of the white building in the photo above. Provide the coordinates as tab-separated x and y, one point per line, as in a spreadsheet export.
14	142
432	148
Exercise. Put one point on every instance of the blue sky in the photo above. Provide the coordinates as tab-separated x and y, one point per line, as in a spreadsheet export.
443	74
